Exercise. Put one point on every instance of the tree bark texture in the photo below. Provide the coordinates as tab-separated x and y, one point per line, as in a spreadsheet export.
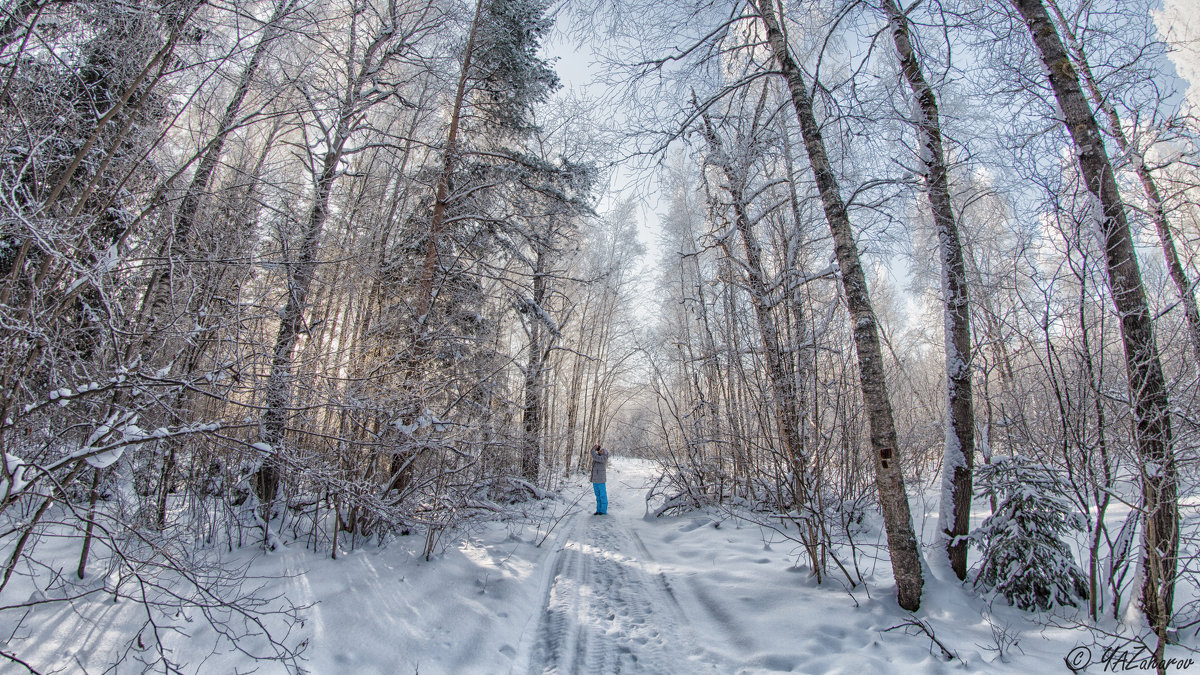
889	476
425	291
954	517
1152	422
533	409
292	325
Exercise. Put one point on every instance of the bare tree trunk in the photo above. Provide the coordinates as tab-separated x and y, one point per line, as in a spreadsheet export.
781	376
573	403
353	103
598	390
1152	420
735	406
442	197
535	368
1158	213
1101	494
889	475
954	518
93	495
292	325
189	206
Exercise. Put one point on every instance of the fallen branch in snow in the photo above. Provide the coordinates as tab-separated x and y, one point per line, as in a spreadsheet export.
678	501
520	483
14	659
912	625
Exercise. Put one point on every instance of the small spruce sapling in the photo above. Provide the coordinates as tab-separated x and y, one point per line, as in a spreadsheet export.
1024	555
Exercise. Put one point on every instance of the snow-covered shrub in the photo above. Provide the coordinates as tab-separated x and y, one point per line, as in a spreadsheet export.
1024	557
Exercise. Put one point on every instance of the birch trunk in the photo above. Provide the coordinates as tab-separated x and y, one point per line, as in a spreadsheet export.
1152	422
889	476
1158	213
954	517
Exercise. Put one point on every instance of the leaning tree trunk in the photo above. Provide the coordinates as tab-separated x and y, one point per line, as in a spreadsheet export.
158	288
437	219
353	104
292	325
780	374
1160	535
889	476
1158	212
954	517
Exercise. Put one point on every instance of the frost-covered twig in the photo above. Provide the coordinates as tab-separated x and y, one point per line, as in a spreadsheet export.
558	518
99	456
1004	639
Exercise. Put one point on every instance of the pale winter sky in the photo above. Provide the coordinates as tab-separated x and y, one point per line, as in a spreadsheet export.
1179	22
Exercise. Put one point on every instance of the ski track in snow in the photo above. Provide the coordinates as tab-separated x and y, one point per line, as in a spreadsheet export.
609	610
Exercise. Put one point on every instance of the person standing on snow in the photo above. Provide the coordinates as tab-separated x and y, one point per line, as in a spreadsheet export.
599	475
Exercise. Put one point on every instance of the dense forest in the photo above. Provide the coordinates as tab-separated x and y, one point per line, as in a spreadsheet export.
322	274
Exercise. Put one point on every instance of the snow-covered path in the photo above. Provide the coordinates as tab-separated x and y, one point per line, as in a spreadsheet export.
702	592
609	608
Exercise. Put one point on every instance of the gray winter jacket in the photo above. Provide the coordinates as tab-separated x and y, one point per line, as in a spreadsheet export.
599	467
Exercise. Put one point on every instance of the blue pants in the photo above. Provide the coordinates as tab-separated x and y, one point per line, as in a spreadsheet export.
601	497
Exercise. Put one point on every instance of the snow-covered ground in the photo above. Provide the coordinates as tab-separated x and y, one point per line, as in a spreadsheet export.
700	593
